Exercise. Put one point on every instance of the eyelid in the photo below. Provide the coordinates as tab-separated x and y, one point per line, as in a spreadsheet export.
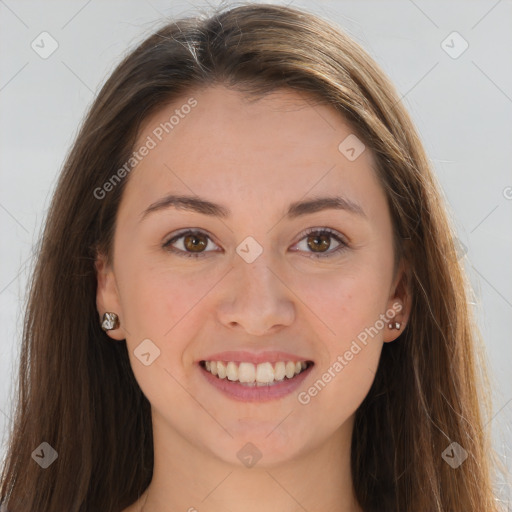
340	238
184	232
335	233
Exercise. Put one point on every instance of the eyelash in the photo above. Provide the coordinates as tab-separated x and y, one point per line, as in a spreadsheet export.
311	231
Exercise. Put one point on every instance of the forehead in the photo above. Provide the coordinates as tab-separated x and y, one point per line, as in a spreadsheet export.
218	143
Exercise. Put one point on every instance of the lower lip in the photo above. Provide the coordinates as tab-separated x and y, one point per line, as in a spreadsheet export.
256	393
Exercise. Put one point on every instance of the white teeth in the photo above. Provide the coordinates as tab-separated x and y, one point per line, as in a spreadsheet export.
221	370
246	372
263	374
290	369
279	371
232	371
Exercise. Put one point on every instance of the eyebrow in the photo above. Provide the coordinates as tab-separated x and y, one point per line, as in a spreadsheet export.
296	209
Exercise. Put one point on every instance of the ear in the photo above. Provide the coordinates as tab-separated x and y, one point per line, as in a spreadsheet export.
107	296
399	303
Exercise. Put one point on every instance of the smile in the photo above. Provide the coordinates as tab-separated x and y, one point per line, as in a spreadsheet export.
249	374
250	382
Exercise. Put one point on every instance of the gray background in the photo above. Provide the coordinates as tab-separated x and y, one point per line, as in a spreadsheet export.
462	107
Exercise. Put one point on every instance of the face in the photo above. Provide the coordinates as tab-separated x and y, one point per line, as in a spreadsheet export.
261	282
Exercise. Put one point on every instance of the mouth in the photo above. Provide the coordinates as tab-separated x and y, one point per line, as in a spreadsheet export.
258	380
250	374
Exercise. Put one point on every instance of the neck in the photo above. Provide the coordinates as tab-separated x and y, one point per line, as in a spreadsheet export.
190	479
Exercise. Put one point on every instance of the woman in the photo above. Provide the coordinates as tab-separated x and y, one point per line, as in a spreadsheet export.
247	296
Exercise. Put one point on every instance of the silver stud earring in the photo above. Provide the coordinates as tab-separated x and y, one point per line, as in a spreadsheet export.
110	321
395	325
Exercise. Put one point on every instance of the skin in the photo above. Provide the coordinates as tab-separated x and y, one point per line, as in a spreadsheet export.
255	159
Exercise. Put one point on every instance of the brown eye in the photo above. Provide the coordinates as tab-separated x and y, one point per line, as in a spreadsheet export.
319	243
190	244
195	243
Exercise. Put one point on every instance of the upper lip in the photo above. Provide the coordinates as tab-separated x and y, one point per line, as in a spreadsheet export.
241	356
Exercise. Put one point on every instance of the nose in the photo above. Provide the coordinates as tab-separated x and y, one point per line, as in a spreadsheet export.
256	298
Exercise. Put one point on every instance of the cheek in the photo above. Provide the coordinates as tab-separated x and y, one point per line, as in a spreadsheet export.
345	374
343	303
340	388
156	297
158	304
349	305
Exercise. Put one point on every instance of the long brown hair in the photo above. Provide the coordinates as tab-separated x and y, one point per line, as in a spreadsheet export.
77	391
